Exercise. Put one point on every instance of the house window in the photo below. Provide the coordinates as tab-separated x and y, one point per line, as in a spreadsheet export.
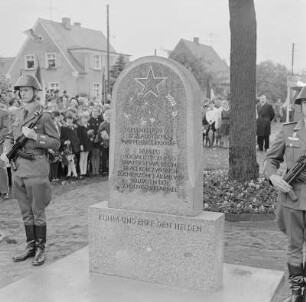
97	62
103	61
29	62
51	60
97	89
54	85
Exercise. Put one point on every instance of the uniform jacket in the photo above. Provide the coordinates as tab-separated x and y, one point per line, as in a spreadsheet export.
288	146
4	127
265	116
47	138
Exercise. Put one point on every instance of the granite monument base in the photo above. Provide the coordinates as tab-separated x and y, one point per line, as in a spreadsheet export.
69	280
159	248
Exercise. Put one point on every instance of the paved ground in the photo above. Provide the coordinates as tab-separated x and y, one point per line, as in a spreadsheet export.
258	244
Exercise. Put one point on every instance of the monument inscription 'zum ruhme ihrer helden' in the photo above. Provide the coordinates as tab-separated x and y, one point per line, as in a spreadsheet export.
156	165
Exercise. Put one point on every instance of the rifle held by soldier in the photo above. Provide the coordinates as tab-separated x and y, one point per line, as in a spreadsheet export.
20	142
294	173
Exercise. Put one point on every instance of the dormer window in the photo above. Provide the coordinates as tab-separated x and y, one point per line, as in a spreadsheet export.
51	60
29	61
97	62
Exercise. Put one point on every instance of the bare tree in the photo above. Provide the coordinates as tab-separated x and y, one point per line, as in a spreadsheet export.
242	152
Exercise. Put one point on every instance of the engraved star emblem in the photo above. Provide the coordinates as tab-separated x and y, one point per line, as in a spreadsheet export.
150	83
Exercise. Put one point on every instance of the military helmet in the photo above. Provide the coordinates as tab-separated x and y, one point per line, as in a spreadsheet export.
27	81
301	96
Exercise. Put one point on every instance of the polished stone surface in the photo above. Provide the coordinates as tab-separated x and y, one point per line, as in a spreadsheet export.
173	250
156	139
69	280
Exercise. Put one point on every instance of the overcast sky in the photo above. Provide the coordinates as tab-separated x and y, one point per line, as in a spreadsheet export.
138	27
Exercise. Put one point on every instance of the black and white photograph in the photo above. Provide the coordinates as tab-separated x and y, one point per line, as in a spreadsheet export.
153	151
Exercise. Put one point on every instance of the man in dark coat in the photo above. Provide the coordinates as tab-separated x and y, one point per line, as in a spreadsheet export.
265	114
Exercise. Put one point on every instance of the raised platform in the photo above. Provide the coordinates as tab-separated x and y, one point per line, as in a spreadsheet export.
69	280
172	250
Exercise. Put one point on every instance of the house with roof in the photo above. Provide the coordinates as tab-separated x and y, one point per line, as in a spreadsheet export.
70	57
207	56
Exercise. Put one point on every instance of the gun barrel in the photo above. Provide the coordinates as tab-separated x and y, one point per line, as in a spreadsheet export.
294	172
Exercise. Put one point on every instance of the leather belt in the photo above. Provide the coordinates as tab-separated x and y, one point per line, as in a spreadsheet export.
34	151
28	155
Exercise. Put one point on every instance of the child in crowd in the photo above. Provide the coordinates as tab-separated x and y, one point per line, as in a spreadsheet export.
70	144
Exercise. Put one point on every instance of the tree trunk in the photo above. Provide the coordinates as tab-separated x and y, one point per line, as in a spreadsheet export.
242	152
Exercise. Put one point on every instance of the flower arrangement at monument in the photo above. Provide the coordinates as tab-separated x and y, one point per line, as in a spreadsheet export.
223	195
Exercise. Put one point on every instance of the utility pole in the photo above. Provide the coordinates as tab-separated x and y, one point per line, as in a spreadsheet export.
108	67
292	58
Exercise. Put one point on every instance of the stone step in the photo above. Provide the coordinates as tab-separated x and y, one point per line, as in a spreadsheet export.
69	280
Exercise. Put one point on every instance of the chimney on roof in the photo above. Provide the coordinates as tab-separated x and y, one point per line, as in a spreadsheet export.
66	23
77	24
196	40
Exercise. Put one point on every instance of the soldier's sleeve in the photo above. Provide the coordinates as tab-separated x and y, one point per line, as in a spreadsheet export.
275	155
50	139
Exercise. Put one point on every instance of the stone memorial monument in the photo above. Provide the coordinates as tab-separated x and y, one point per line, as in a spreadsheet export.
153	227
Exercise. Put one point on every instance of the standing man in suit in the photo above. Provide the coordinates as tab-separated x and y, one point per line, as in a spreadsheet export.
289	145
265	115
4	126
31	185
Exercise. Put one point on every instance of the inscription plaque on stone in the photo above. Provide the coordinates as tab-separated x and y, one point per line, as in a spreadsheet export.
155	152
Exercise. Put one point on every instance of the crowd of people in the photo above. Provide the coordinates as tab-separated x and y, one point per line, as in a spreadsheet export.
83	125
215	123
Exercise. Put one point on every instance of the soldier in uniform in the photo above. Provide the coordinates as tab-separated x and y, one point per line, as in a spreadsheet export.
31	186
289	145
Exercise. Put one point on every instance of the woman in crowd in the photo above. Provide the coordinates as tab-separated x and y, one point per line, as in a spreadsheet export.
104	134
85	143
93	126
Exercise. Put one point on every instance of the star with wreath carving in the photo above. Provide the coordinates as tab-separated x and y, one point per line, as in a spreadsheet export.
150	83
